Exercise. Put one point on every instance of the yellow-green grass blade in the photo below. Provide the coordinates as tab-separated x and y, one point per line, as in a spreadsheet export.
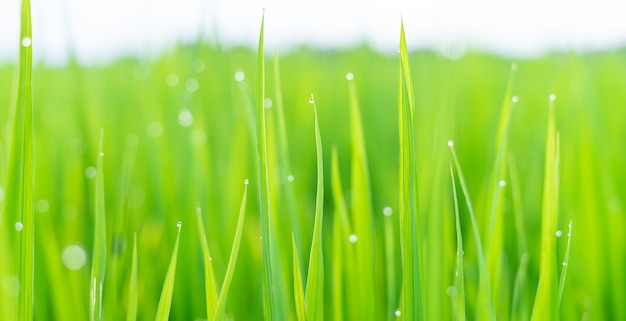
546	299
485	298
314	295
220	309
209	277
131	314
410	227
165	301
459	282
98	263
362	210
297	283
263	184
565	263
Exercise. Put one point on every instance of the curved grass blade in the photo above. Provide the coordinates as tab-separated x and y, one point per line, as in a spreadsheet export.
410	226
565	262
297	283
209	277
165	301
131	315
269	300
459	309
314	296
546	300
220	309
484	299
98	266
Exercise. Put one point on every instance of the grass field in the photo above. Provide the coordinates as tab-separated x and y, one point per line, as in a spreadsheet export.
124	152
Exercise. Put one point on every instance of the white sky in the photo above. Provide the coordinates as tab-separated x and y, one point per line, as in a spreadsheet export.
101	30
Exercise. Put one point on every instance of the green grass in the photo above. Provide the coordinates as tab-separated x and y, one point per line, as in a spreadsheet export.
186	127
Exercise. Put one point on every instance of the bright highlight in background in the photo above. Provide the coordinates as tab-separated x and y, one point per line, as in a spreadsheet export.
99	31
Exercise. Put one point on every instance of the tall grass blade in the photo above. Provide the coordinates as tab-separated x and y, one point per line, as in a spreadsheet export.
485	299
410	227
546	300
165	301
263	184
565	263
314	296
518	310
297	284
98	264
362	210
131	315
209	277
220	309
459	282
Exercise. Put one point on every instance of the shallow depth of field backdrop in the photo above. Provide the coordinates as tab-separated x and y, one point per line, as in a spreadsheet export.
181	125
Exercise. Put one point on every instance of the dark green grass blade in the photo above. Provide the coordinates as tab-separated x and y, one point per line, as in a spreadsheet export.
297	284
263	184
459	282
314	296
209	277
98	265
546	300
482	263
131	314
165	301
410	227
220	309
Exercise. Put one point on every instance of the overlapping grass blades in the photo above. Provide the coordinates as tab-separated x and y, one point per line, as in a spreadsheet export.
546	301
314	293
459	280
99	260
410	227
131	313
297	284
220	309
165	301
209	278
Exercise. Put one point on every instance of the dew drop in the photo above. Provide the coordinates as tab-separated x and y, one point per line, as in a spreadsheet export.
267	103
387	211
100	154
74	257
353	238
198	210
26	42
450	143
91	172
502	183
42	206
210	258
398	313
349	76
564	263
515	99
179	224
246	181
19	226
311	100
290	178
452	291
239	76
558	233
553	97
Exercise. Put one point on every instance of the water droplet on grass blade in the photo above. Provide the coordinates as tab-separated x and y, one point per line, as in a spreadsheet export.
349	76
515	99
74	257
91	172
19	226
246	181
290	178
452	291
559	233
387	211
450	143
397	313
553	97
502	183
564	263
239	76
353	238
267	103
26	42
311	100
185	118
42	206
179	224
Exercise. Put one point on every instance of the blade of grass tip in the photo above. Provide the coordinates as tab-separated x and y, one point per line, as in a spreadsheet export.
297	283
131	315
220	309
209	277
165	301
459	309
362	208
263	185
314	296
410	226
546	299
565	262
98	265
482	264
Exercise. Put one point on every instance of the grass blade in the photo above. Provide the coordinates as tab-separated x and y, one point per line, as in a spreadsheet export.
209	277
565	262
546	300
314	296
297	284
131	315
165	301
485	298
459	309
410	226
263	185
220	309
98	265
